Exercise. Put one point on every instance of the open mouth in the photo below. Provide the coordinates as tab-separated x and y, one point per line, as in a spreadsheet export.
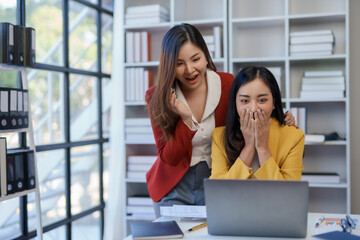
192	78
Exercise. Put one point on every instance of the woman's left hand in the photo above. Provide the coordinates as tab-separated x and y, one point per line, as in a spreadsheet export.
290	119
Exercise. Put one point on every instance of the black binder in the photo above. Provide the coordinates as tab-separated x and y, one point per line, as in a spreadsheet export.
13	108
25	112
7	48
4	109
29	46
19	172
20	108
10	176
19	45
30	170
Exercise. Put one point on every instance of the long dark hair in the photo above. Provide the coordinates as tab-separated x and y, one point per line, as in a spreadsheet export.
234	140
160	109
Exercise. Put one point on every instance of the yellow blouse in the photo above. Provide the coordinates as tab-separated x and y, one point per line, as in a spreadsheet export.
286	145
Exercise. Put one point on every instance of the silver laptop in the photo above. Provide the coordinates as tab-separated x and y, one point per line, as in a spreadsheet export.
260	208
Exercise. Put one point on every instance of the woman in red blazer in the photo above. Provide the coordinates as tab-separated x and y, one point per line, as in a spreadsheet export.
189	100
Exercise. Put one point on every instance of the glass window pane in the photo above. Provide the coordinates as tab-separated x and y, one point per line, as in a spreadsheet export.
106	155
108	4
56	234
84	178
51	172
49	33
83	37
46	91
12	139
106	43
87	227
9	219
106	106
8	11
83	107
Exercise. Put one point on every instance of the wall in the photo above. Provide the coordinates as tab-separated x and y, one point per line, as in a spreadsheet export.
354	105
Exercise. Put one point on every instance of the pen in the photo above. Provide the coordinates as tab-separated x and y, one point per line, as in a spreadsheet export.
197	227
319	221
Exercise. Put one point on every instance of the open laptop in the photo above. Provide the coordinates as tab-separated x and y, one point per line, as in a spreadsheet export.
260	208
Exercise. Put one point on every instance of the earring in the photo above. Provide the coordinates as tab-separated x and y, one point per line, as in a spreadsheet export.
273	107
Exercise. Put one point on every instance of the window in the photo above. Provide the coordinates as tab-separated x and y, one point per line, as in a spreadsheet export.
70	92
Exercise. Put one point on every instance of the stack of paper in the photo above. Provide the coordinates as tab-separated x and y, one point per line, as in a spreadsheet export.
147	14
312	43
322	84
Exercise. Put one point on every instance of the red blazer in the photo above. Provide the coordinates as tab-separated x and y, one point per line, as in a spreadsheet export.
174	157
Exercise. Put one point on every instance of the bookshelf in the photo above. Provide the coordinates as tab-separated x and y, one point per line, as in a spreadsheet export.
257	32
263	29
30	137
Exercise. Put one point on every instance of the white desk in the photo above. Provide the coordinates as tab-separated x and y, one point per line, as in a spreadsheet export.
202	234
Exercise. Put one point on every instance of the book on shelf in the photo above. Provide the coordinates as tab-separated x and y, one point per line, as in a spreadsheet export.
323	80
320	177
323	86
149	14
276	71
137	82
140	137
137	122
7	48
140	200
323	73
139	209
318	138
155	230
299	114
217	42
322	94
145	46
3	173
129	47
311	33
137	47
138	167
316	47
137	174
141	159
311	54
326	38
147	8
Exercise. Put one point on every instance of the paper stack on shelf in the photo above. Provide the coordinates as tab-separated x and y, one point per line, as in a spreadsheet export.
320	177
319	138
213	43
138	130
138	47
140	208
322	84
147	14
137	82
138	165
312	43
299	114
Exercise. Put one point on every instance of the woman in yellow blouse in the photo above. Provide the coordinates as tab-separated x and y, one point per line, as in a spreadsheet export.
254	144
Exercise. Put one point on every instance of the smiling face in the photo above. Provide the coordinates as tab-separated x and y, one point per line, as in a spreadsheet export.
190	66
255	95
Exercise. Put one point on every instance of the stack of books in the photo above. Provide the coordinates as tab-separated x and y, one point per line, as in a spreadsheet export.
322	84
147	14
312	43
213	43
138	47
139	165
140	208
320	177
138	130
299	114
137	82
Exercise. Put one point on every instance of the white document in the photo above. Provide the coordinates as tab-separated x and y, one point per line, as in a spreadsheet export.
184	211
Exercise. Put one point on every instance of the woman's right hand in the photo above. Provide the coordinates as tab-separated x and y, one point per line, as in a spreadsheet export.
247	127
180	108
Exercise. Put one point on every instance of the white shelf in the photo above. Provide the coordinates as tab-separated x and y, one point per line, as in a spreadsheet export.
135	180
140	141
15	195
257	19
339	142
303	100
143	64
138	103
314	58
151	27
19	130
